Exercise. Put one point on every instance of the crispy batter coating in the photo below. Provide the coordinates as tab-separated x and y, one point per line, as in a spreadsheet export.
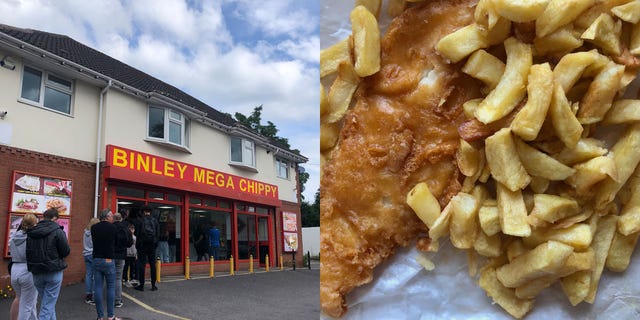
402	130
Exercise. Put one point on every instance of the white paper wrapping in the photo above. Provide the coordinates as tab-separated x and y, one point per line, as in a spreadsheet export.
403	289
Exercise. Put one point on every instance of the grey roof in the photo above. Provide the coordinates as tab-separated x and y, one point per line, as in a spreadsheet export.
74	51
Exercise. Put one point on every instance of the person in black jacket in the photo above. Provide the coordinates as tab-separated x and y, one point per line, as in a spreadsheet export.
47	247
124	239
103	235
147	232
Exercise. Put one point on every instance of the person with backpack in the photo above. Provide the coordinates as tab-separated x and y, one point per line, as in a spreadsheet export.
147	232
47	246
124	239
103	236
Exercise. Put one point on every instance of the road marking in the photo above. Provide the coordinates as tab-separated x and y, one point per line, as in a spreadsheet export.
150	308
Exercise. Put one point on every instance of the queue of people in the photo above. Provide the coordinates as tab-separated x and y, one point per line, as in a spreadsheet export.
110	252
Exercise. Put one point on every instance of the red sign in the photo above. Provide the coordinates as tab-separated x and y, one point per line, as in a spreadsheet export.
131	165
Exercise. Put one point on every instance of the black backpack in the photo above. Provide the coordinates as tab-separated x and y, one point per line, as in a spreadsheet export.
148	233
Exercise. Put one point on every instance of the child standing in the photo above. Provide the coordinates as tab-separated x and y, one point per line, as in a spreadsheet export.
130	262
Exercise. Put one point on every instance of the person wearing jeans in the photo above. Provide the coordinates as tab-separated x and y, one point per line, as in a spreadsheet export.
47	247
124	239
103	235
87	252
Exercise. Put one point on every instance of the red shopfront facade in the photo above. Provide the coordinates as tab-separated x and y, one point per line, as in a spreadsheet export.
188	201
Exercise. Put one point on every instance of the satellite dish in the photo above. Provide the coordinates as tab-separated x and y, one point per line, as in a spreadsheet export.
301	169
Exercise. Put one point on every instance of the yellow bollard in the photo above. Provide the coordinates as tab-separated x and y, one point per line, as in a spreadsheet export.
281	263
266	260
187	268
212	271
231	271
158	269
250	263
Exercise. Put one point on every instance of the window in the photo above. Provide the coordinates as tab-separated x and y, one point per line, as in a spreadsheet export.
242	152
46	90
168	126
282	167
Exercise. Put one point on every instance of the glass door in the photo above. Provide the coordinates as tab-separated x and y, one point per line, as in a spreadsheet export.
263	239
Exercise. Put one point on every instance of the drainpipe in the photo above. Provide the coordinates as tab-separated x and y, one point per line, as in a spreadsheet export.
99	149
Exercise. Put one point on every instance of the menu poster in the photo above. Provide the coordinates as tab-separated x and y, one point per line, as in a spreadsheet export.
35	194
14	222
290	241
289	221
64	224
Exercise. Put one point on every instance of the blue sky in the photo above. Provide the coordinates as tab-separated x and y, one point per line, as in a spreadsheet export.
231	54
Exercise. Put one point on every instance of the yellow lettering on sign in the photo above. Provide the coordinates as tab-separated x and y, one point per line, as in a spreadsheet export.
211	178
131	159
243	185
261	188
220	180
198	175
142	162
182	169
154	167
168	168
119	158
230	184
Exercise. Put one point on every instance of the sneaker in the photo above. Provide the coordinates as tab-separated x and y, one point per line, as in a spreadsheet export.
135	282
114	318
139	288
118	304
127	284
154	288
89	299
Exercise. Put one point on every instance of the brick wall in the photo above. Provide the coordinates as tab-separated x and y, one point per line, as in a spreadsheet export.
83	175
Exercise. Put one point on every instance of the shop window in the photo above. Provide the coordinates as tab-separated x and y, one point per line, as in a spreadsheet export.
168	127
174	197
247	243
224	205
200	223
194	200
168	216
262	210
210	203
43	89
130	192
282	168
156	195
243	152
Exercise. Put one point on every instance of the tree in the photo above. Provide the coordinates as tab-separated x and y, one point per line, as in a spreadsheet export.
311	212
270	131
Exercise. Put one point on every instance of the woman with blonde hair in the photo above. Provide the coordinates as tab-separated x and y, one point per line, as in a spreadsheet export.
21	278
87	252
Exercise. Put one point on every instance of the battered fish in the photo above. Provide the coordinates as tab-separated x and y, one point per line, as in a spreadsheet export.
402	130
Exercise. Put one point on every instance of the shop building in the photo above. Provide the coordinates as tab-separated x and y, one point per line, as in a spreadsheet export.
82	131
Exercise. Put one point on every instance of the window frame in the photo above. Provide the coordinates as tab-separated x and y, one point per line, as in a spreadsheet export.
244	147
184	123
46	83
282	163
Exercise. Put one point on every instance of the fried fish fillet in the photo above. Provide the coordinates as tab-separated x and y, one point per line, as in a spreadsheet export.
401	131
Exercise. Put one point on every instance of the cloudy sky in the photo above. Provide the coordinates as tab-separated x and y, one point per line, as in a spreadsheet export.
231	54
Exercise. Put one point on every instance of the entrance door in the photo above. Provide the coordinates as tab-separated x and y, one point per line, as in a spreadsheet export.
263	239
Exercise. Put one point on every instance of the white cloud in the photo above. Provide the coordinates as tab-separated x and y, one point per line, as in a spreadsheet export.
276	17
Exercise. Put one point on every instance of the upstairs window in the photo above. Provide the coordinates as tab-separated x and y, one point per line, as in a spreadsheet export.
46	90
167	126
282	167
243	152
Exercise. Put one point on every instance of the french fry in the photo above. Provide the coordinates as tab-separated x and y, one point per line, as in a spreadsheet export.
372	5
485	14
333	56
488	246
601	244
629	221
512	86
520	11
623	111
576	286
324	101
626	156
564	122
440	226
572	66
530	118
634	41
515	248
341	92
563	40
558	13
539	164
469	107
577	261
599	97
604	32
512	212
328	135
585	149
539	184
489	218
620	251
468	159
366	41
578	236
484	67
591	172
551	208
547	258
502	158
424	204
464	224
502	295
471	37
629	12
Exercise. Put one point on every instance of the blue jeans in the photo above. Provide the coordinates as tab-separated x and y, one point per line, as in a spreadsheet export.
119	269
213	252
163	251
48	285
104	270
88	275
